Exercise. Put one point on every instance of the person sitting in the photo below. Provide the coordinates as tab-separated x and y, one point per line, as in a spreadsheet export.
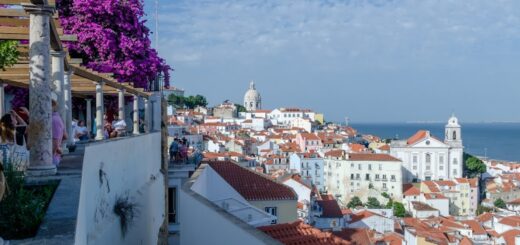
119	126
80	131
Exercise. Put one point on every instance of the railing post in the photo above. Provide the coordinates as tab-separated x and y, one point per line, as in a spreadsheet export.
99	111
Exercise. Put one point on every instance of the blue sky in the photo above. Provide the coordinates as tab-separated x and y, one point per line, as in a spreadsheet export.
370	60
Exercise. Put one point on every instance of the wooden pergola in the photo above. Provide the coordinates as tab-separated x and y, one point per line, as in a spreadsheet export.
69	77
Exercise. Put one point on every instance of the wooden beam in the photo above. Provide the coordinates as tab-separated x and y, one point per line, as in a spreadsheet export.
18	2
8	21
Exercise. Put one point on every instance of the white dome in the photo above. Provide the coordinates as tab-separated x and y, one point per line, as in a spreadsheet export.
252	98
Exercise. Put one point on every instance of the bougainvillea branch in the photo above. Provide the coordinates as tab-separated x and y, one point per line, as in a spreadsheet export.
112	37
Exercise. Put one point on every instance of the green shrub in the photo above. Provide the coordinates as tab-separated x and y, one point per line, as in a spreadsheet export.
23	207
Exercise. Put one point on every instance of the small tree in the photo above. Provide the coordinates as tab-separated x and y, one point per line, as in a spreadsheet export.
399	210
483	209
372	202
499	203
385	195
390	203
473	165
240	108
354	202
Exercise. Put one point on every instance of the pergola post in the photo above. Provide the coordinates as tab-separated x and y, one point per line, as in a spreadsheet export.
67	85
89	116
58	80
121	103
40	132
99	111
136	114
2	99
147	108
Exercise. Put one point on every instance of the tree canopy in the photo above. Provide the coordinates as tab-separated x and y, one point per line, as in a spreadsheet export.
354	202
240	108
473	165
189	102
373	203
8	53
499	203
399	210
113	38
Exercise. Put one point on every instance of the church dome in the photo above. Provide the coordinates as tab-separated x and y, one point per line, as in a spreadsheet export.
252	98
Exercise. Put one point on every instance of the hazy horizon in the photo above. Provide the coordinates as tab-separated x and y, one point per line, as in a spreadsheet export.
370	60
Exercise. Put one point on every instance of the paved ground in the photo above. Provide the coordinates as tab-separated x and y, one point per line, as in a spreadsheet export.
59	223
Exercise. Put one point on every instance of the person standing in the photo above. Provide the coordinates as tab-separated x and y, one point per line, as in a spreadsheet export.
58	133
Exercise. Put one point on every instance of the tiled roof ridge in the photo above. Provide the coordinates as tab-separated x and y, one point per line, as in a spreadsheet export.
295	196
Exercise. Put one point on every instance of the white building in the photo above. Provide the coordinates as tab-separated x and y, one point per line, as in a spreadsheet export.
252	98
363	175
425	157
286	116
310	167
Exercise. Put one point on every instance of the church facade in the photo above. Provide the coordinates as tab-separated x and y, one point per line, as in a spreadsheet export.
252	98
426	157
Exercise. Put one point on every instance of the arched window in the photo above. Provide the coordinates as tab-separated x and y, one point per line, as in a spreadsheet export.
454	135
251	104
428	158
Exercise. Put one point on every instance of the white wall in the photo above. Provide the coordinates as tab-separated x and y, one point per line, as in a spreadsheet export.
126	167
202	222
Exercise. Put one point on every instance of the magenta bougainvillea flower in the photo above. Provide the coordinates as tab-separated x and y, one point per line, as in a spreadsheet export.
113	38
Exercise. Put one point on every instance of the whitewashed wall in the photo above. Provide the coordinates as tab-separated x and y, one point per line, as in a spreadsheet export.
126	167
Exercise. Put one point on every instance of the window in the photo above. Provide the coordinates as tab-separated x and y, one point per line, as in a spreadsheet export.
351	176
455	161
428	158
392	177
377	176
414	159
352	165
380	167
172	205
384	185
441	159
272	211
369	166
359	166
414	167
441	167
454	171
357	176
454	135
367	177
384	176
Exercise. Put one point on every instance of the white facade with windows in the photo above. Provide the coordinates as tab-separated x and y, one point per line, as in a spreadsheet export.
310	167
364	176
425	157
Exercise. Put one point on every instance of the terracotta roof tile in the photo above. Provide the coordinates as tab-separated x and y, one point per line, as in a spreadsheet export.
421	134
513	221
329	207
252	186
509	236
298	233
362	215
475	227
410	190
356	236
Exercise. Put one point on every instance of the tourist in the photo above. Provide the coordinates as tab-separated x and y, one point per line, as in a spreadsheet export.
58	134
119	126
183	150
174	150
20	126
107	127
6	139
80	131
